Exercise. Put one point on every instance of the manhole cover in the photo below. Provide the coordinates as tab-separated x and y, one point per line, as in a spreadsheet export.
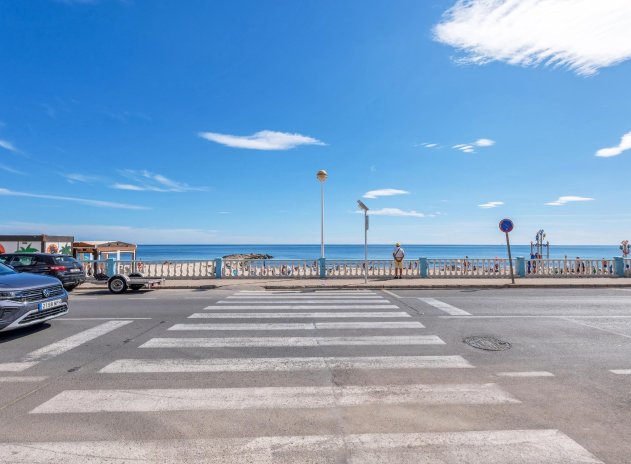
487	343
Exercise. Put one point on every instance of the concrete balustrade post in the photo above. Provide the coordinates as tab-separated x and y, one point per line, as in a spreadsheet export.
322	266
218	268
520	263
618	266
111	267
422	266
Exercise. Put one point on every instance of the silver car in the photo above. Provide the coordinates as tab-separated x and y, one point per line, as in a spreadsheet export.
29	299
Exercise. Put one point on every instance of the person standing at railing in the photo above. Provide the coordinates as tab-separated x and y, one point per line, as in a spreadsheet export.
398	254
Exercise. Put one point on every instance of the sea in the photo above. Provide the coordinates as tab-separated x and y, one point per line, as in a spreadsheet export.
190	252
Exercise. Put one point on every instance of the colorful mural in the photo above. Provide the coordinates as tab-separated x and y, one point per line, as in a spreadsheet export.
27	249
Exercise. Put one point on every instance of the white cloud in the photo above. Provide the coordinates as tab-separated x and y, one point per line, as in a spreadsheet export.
470	147
263	140
484	142
582	35
84	201
624	145
427	145
395	212
134	188
384	193
81	178
7	145
464	147
143	235
568	199
10	170
491	204
145	181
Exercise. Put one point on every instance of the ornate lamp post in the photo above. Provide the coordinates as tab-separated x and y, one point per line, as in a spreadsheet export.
322	175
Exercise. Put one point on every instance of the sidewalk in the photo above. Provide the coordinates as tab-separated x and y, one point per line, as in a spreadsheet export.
411	283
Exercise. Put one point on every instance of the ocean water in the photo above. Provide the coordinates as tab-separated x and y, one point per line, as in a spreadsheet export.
175	252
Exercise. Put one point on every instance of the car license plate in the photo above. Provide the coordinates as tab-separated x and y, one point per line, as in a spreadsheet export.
75	270
50	304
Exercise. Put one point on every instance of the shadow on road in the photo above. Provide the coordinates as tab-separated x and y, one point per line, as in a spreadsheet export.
23	332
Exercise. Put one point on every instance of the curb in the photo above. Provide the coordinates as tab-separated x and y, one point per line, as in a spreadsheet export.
298	286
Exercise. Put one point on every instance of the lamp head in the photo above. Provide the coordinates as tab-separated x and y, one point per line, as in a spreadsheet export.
322	175
362	205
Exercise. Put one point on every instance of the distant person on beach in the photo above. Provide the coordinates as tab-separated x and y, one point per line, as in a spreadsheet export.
398	254
465	264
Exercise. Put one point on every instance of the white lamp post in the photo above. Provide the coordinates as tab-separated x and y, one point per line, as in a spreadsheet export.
322	175
365	209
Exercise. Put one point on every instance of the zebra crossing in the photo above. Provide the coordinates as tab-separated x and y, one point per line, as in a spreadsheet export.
316	341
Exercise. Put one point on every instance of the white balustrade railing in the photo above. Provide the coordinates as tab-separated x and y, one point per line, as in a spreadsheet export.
93	267
266	268
376	268
570	268
193	269
468	267
354	268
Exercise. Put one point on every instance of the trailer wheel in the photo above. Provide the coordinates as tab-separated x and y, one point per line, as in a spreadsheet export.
136	287
117	285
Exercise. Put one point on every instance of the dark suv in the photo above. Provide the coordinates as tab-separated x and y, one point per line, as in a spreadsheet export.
65	268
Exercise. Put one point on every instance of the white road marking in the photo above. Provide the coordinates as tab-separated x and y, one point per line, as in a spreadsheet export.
526	374
306	297
291	341
505	446
101	319
452	310
621	371
300	326
312	301
303	397
142	298
60	347
135	366
302	315
67	344
584	324
21	379
370	325
541	316
303	306
390	293
16	366
297	292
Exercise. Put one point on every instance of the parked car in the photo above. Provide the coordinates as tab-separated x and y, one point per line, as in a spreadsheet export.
29	299
65	268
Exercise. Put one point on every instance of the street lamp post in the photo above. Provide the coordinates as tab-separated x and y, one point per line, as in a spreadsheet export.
365	209
322	175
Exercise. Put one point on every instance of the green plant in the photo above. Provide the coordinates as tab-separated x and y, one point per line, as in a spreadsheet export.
28	249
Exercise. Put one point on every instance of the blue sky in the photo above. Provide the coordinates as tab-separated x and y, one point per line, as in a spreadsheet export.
205	122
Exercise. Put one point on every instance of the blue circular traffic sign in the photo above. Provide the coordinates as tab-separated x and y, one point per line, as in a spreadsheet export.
506	225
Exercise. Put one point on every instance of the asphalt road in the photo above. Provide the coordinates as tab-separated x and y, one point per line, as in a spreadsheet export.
227	376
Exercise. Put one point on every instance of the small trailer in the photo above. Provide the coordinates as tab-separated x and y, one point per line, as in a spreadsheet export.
120	283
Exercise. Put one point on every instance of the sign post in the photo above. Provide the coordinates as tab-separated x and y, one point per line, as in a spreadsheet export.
365	209
506	225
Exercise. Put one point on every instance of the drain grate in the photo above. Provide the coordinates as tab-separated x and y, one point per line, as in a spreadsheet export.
487	343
